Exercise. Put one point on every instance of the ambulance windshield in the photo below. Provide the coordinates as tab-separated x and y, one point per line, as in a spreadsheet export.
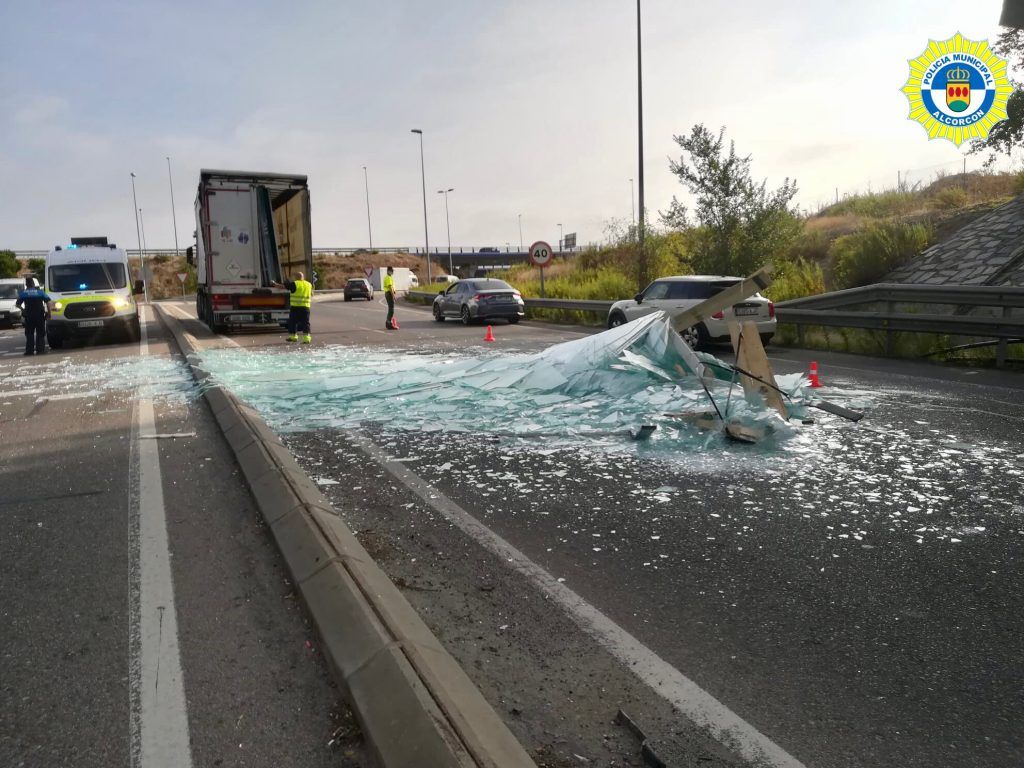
68	278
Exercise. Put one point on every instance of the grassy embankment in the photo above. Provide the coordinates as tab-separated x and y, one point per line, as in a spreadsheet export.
856	241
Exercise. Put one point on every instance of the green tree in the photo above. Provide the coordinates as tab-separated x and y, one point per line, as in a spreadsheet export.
741	224
1006	135
9	265
37	266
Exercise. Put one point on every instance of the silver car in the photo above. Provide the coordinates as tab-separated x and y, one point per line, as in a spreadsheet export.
10	314
676	294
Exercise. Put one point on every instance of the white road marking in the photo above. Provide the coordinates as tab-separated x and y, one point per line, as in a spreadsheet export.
158	715
69	396
684	694
21	392
183	314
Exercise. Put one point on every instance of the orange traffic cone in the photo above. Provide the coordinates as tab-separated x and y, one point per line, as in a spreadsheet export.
813	376
490	334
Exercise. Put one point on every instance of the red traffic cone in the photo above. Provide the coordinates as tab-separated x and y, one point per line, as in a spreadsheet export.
813	376
490	334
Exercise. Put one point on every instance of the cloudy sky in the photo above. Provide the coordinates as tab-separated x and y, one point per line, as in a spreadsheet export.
527	107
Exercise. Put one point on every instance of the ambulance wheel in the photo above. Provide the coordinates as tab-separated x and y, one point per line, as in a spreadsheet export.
133	331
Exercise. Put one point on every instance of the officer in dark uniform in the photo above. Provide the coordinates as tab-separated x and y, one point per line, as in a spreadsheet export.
34	304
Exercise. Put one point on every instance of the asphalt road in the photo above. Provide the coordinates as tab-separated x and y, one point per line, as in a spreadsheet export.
852	595
256	690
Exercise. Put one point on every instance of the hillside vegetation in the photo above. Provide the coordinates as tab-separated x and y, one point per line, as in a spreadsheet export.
856	241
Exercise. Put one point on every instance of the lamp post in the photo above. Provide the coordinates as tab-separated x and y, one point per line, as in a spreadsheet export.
632	202
423	176
640	144
174	217
369	229
138	237
448	224
142	223
559	238
520	233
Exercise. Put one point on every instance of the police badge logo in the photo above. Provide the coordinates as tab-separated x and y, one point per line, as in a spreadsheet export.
957	89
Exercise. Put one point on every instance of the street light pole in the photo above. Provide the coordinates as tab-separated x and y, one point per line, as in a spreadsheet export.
632	201
142	222
640	144
559	238
174	217
423	175
369	229
520	233
448	223
138	237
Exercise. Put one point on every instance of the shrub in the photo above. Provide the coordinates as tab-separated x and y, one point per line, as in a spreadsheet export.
876	205
9	266
866	256
950	199
796	279
37	266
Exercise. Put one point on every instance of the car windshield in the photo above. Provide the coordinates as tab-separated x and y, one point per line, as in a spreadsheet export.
491	285
356	282
68	278
9	291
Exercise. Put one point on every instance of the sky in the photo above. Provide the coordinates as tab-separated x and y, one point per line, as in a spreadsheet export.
527	108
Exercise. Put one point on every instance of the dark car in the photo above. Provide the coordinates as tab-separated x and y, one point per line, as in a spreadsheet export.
479	299
358	288
488	250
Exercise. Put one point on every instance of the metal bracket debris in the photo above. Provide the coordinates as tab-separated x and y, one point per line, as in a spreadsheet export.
651	759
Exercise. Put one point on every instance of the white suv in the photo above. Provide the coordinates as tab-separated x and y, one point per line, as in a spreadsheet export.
675	294
10	314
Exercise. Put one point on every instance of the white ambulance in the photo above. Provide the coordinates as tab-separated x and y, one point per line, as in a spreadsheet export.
89	282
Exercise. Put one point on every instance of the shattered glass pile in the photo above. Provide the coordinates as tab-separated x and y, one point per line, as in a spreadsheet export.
595	387
154	377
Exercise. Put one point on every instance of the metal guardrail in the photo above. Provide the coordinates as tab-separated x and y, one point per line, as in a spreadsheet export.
835	310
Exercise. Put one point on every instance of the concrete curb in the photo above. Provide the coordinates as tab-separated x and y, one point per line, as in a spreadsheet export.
417	707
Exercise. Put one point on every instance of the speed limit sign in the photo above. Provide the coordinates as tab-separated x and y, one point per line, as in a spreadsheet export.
540	254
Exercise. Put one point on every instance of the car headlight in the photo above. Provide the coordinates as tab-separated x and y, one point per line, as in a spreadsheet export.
58	305
120	303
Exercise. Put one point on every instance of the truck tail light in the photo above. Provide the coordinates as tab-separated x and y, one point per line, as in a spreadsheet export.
221	300
771	310
719	315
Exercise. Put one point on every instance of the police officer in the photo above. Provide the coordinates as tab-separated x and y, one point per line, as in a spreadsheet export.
34	304
301	302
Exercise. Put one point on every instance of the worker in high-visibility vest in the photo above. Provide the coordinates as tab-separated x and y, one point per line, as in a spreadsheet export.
389	296
301	300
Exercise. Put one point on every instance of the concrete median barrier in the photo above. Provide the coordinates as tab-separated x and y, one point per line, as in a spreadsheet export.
417	707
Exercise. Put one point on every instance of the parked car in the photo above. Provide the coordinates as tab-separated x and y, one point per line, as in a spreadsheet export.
474	300
675	294
10	314
445	279
358	288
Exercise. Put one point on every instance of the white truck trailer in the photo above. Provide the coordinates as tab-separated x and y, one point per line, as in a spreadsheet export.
252	229
405	279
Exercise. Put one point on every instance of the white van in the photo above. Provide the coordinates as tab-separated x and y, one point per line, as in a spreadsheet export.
89	283
9	287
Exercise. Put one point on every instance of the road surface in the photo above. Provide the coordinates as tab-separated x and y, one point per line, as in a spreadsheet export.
851	599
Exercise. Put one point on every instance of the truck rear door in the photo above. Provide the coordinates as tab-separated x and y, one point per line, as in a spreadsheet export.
232	234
